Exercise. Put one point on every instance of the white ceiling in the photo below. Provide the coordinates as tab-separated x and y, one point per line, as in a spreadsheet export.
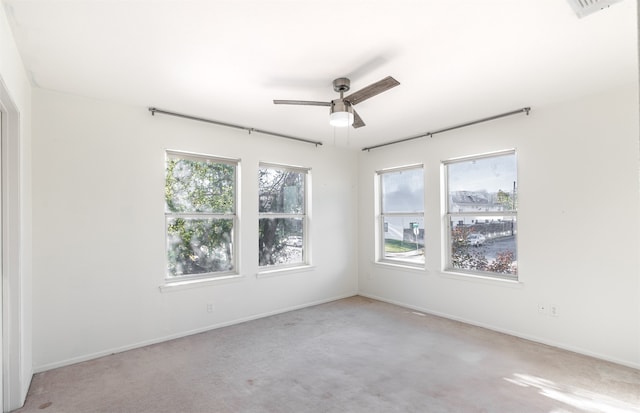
227	60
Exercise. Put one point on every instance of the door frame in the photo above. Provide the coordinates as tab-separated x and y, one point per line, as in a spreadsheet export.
11	343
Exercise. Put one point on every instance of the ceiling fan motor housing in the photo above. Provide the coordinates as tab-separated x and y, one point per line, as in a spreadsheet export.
341	84
339	105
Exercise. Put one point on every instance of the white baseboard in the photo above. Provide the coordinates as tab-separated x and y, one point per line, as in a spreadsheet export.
107	352
563	346
518	334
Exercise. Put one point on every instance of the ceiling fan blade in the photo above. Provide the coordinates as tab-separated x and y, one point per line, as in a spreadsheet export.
301	102
372	90
357	120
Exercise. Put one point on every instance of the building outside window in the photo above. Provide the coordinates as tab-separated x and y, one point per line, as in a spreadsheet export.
283	223
200	214
481	215
401	218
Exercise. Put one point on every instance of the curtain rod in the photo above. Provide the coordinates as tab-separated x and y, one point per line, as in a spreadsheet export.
462	125
231	125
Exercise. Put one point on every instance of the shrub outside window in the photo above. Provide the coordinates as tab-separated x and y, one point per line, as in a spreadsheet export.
402	215
481	215
283	218
200	214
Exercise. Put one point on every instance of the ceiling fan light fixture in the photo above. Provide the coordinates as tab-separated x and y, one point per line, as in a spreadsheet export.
341	114
341	119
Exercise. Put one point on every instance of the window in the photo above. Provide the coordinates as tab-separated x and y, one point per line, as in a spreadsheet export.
402	215
481	215
282	222
200	213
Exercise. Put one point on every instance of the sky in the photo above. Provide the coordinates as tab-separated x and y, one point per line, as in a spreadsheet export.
403	191
484	174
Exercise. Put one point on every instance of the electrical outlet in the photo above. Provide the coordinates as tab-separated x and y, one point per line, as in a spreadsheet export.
553	310
210	308
542	309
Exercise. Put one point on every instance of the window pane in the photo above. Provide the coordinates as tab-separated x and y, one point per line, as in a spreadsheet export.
281	191
197	246
484	243
280	241
482	184
403	191
404	238
199	186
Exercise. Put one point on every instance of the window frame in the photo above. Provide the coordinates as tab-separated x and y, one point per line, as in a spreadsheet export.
233	216
305	216
448	216
381	257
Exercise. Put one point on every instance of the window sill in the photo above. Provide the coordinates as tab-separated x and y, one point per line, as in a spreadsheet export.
200	282
273	272
400	265
487	279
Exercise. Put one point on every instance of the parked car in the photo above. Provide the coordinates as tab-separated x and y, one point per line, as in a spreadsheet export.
476	239
294	241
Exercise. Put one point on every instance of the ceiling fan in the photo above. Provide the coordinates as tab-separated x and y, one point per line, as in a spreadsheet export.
342	113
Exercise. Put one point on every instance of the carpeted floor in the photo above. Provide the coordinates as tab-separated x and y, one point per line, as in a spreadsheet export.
352	355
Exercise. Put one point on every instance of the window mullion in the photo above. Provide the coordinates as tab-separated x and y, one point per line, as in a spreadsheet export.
199	215
276	215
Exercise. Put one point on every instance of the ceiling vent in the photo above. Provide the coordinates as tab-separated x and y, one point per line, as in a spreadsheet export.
586	7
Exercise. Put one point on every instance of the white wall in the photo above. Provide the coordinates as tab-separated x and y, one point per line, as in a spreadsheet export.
99	228
15	97
578	225
99	252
